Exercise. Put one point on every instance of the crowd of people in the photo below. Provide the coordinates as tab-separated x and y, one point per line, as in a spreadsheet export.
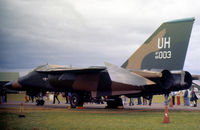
189	97
146	100
66	95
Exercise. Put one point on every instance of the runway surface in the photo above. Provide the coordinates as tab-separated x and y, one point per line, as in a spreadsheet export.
101	107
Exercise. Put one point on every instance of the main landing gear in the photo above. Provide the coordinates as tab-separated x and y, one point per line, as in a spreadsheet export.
40	101
115	102
76	100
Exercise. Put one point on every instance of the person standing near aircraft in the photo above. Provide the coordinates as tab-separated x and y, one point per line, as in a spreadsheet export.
69	96
186	97
139	101
56	97
150	99
194	97
144	101
173	97
131	103
3	95
66	97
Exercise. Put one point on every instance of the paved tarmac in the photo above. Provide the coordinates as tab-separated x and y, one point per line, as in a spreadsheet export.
49	105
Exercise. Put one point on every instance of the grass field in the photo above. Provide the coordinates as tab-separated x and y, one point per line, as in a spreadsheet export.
99	119
62	118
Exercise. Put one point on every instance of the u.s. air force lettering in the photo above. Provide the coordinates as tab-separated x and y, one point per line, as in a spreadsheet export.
163	43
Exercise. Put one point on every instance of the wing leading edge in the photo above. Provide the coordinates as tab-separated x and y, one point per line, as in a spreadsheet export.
57	68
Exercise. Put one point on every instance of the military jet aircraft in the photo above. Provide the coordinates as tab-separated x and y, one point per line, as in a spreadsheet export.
155	68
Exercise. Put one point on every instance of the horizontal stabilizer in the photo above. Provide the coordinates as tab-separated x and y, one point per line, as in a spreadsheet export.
123	76
195	77
147	74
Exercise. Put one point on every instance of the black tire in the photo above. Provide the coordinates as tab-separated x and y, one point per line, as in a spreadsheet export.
40	102
37	102
114	104
76	100
111	104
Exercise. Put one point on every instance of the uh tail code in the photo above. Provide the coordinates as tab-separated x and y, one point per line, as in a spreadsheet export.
163	43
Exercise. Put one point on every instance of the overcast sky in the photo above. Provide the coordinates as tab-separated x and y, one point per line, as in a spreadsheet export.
84	33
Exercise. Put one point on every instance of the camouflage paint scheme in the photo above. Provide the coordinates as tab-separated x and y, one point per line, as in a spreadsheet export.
179	32
165	50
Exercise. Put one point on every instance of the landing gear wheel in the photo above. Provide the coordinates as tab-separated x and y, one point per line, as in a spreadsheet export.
40	102
116	103
75	100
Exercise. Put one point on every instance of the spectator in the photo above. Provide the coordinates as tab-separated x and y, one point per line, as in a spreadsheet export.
173	97
186	97
193	96
144	101
150	99
32	98
139	101
131	103
69	96
3	95
66	97
56	97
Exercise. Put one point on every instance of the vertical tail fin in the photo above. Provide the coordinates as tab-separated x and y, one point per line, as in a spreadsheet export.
165	49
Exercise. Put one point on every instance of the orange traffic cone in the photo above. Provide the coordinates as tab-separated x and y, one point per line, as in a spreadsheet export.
21	110
166	115
170	102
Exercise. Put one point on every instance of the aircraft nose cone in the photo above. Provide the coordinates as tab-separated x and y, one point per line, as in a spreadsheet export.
13	85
